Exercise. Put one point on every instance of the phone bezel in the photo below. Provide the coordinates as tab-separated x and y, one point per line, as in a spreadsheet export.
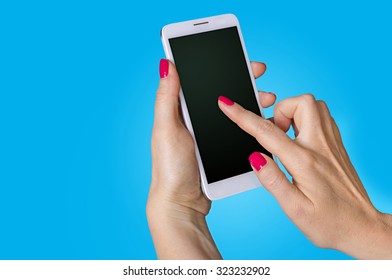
239	183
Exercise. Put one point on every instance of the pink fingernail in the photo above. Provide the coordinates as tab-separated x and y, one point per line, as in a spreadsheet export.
226	100
257	160
163	68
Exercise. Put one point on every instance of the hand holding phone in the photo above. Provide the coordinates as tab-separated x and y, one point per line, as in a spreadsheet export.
176	207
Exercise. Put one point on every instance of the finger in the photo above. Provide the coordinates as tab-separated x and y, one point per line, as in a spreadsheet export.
167	97
258	68
289	197
301	111
326	119
331	131
329	122
266	133
266	99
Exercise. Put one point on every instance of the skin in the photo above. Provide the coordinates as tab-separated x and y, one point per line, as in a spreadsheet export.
325	200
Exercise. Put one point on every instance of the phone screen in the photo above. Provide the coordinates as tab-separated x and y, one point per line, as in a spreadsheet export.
210	64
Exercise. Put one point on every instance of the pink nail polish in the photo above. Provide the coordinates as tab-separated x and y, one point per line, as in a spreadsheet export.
163	68
257	160
226	100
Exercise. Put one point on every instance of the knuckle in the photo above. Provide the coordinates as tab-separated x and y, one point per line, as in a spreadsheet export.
266	126
323	106
322	103
308	98
273	183
278	109
160	96
278	106
263	128
276	181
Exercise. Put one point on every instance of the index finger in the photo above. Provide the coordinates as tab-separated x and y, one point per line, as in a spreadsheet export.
266	133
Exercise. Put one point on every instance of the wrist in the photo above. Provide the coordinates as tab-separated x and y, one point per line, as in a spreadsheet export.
380	241
173	213
179	231
372	239
165	204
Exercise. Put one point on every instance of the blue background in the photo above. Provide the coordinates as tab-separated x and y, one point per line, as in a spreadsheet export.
77	87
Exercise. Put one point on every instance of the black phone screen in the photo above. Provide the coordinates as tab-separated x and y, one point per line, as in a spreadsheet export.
211	64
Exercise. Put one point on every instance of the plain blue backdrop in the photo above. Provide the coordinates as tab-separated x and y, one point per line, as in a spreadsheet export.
77	87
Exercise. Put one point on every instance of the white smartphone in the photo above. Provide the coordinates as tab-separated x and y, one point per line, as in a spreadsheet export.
211	60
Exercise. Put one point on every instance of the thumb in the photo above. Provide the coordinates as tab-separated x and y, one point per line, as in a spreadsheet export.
167	97
289	197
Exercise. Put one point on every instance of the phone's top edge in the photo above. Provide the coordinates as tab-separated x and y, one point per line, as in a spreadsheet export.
199	20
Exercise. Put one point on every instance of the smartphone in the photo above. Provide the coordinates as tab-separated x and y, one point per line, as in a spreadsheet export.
211	60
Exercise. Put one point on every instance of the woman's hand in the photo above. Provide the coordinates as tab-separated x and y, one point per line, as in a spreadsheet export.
176	207
326	198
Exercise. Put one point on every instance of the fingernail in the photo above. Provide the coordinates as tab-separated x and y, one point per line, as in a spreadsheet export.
257	160
163	68
226	100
